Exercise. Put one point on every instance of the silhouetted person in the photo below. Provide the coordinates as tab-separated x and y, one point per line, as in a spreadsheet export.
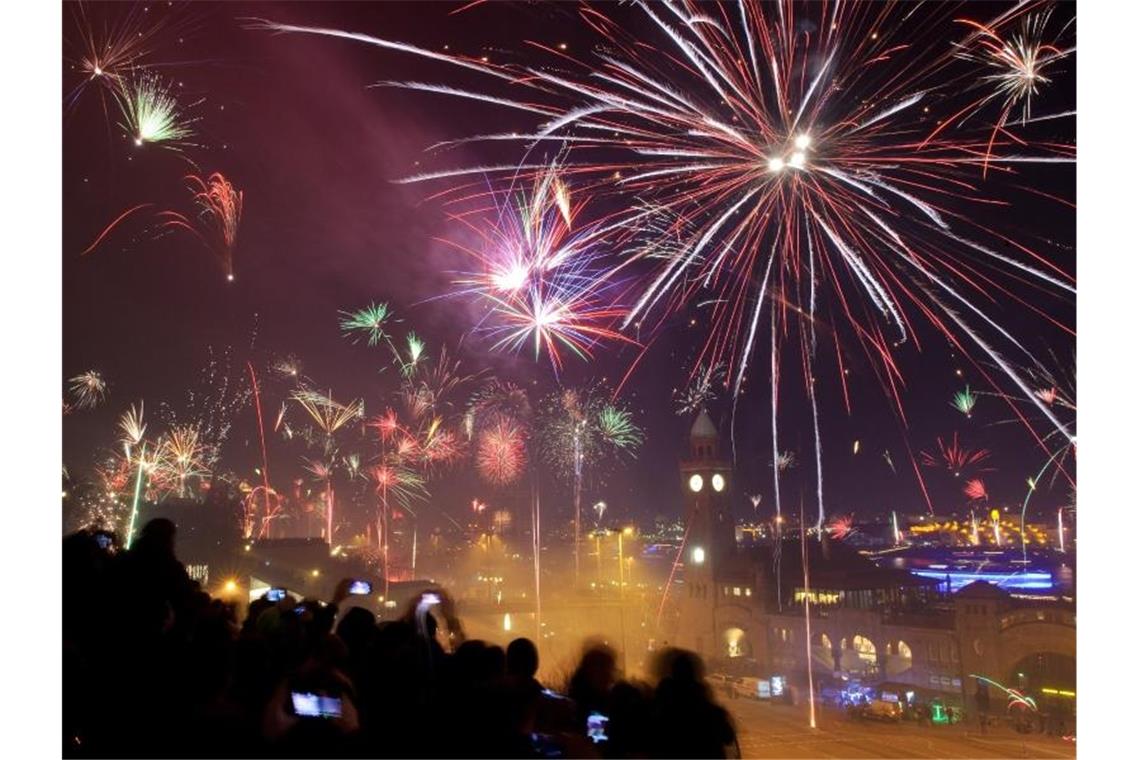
592	680
982	703
522	660
687	722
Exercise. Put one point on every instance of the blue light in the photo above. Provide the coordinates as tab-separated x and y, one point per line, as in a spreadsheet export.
959	579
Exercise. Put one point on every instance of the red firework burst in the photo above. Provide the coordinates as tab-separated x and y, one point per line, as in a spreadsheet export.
955	457
501	454
975	490
841	527
219	215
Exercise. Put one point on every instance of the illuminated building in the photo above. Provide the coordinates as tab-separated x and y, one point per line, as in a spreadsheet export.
878	625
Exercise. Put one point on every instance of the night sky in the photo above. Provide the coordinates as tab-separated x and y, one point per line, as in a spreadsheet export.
293	122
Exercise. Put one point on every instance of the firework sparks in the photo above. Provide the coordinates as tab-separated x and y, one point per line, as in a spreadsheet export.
328	415
501	453
1020	60
537	276
955	457
577	428
88	390
181	456
975	490
133	428
600	510
706	383
785	460
370	322
217	220
800	164
617	429
151	114
841	526
964	401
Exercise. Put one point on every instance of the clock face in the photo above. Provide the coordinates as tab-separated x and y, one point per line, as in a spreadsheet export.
696	483
718	482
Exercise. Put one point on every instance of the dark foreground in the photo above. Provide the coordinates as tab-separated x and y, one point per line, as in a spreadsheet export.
155	667
779	731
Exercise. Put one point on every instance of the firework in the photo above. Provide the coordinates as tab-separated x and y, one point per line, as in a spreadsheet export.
964	401
701	390
600	510
180	457
415	348
537	276
370	322
497	398
266	490
439	445
105	52
210	405
802	165
88	390
272	509
617	429
841	526
501	453
402	484
328	415
151	114
581	427
288	368
955	457
1015	697
217	219
785	460
108	56
1020	60
975	490
133	428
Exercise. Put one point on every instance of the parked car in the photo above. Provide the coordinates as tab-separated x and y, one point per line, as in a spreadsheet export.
881	709
747	687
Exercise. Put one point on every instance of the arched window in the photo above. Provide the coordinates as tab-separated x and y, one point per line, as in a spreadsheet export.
902	649
824	641
864	647
843	643
735	642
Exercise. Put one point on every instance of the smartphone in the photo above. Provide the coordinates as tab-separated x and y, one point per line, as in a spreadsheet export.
308	705
104	540
360	588
596	727
300	609
275	595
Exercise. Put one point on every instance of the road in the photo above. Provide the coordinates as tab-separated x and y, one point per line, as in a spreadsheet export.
777	731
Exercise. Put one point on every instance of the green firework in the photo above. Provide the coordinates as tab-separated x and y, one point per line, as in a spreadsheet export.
151	112
964	401
370	322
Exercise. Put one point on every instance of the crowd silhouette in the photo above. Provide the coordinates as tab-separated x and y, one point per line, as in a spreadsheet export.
155	667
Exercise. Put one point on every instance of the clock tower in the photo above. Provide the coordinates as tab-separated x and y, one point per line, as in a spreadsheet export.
706	482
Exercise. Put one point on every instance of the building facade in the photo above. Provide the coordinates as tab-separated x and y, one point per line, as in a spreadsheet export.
746	610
